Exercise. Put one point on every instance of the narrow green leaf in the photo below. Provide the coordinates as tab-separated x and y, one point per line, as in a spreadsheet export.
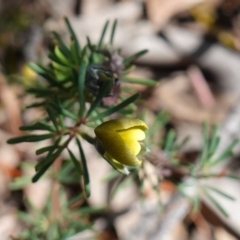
37	126
46	164
37	68
66	113
131	106
89	42
91	210
20	183
30	138
43	162
53	81
75	162
38	104
73	35
83	54
214	145
75	47
61	56
170	140
104	89
96	122
26	217
75	53
132	58
113	31
216	203
220	192
66	78
44	168
59	67
81	87
226	154
37	138
40	164
80	227
52	117
87	186
55	146
76	199
63	111
53	231
126	112
17	139
103	34
214	141
87	137
45	73
44	149
205	149
161	120
116	108
129	69
146	82
68	234
62	45
182	144
68	173
40	91
55	59
33	234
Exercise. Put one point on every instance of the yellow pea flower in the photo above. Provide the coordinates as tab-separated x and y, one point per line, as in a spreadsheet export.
120	141
29	76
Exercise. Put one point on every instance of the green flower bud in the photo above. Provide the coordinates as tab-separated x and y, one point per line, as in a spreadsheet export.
96	76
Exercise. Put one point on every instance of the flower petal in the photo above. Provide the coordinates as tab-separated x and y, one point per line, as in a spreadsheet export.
123	124
131	138
133	133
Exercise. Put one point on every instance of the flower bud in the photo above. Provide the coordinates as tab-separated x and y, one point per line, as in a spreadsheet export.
96	76
120	141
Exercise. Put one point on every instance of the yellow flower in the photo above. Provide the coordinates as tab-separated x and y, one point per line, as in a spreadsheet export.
120	142
29	76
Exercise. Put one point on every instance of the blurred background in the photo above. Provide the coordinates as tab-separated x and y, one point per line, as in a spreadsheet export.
194	56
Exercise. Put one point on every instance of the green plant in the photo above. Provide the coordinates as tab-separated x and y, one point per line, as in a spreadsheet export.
79	90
